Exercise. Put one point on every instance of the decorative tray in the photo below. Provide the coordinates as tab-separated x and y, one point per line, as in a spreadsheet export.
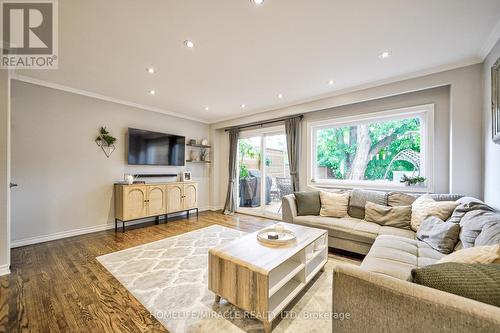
285	237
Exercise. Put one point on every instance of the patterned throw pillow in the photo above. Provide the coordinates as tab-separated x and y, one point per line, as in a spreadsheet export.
425	206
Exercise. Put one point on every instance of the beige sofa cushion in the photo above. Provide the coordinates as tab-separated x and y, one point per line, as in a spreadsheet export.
425	206
396	199
334	204
475	255
399	217
348	228
397	256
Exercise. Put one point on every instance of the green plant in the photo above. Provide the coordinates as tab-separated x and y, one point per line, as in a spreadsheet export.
412	180
244	171
105	136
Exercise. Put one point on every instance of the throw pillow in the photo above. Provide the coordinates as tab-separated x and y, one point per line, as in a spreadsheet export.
307	203
399	217
359	198
441	236
395	199
425	206
475	255
334	204
475	281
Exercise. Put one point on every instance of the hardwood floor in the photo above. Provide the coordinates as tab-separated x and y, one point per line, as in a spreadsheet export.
59	286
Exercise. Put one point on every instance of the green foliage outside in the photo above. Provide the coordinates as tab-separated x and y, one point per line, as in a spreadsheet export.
337	148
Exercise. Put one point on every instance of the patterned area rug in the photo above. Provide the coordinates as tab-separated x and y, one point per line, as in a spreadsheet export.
169	277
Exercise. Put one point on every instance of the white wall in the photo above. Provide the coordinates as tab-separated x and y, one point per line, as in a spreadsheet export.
491	150
459	127
4	172
65	180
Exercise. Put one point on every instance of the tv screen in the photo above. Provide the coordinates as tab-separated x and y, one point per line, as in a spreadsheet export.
152	148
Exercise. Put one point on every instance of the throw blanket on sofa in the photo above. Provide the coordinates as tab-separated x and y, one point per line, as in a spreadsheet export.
480	223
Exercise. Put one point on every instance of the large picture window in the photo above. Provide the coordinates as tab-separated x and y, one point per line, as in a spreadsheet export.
375	150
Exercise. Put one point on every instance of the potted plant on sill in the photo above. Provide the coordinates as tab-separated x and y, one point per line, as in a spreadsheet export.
413	181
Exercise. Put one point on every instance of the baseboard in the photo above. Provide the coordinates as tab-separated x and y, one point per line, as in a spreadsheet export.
79	231
4	270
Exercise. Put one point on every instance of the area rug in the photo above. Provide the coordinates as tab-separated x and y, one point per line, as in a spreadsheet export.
169	277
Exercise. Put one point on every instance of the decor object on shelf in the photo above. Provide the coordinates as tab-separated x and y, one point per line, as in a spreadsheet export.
194	155
495	102
186	176
204	142
192	142
204	154
106	141
417	180
129	179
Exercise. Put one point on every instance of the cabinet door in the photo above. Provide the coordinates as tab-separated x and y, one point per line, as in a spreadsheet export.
134	202
175	198
190	196
156	200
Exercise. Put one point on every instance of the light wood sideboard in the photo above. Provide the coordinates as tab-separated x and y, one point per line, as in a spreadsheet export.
263	280
138	201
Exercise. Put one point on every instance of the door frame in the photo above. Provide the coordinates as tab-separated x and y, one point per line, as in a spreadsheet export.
262	133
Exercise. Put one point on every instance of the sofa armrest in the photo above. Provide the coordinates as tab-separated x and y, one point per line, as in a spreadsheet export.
380	303
288	208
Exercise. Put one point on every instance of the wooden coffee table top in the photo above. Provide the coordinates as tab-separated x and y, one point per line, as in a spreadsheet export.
247	251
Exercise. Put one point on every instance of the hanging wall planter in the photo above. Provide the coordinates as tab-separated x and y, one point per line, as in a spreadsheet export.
106	141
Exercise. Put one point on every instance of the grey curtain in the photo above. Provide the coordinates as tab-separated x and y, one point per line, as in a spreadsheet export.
232	190
292	129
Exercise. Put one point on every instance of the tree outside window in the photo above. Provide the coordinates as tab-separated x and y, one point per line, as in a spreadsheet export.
379	150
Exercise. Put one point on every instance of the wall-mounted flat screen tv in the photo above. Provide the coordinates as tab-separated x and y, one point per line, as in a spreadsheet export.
153	148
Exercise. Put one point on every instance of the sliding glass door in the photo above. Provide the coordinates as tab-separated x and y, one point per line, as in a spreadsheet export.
264	173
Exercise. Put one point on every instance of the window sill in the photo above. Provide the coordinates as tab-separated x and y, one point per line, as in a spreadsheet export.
363	185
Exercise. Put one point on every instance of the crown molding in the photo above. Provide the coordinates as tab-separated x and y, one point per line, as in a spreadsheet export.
490	42
86	93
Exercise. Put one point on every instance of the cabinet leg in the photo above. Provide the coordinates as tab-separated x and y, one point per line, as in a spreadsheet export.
217	299
116	225
197	212
123	226
188	213
268	326
166	218
157	220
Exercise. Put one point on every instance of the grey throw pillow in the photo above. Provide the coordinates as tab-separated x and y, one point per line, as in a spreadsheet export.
308	203
440	235
359	198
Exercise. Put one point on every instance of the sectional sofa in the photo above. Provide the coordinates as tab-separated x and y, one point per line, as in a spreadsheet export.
377	294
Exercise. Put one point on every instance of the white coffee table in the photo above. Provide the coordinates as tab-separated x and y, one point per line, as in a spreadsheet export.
262	279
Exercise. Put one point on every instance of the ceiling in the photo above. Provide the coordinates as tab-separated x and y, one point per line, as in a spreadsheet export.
249	54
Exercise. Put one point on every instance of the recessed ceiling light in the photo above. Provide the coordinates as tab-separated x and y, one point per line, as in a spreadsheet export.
189	43
150	70
243	106
384	55
280	95
330	82
152	92
207	108
258	2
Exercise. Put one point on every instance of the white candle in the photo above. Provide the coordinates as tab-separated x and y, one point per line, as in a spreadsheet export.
279	227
